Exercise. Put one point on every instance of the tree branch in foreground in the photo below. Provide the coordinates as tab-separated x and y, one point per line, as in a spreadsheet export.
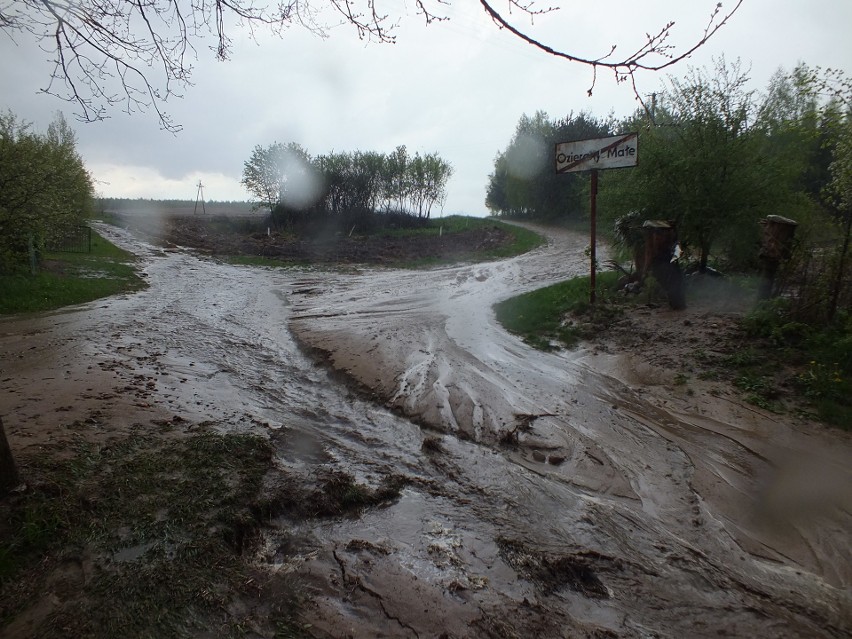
136	54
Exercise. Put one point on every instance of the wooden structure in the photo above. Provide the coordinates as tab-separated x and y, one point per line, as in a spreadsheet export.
776	248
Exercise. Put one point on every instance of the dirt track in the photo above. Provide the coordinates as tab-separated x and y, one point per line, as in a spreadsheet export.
550	495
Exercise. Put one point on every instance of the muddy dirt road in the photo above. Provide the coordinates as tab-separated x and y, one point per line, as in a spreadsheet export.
548	495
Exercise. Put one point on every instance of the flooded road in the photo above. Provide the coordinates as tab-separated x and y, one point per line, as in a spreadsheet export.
546	494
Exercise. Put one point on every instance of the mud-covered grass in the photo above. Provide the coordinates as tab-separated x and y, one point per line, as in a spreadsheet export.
71	278
170	530
432	445
295	265
817	358
783	365
259	260
724	336
334	493
145	536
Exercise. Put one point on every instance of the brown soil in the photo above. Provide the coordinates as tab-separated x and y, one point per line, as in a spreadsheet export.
691	350
681	340
209	237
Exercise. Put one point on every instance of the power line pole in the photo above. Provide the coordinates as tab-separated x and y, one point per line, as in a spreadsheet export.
199	194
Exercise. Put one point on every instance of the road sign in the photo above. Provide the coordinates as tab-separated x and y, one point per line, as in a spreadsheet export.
613	152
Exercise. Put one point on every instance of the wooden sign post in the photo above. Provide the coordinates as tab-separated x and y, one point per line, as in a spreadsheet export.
613	152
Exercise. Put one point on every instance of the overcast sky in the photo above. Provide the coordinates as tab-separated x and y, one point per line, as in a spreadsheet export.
457	88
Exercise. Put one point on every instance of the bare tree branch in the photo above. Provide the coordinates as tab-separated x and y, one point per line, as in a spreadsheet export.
137	54
625	68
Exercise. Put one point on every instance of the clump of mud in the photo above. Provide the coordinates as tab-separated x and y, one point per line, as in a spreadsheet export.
338	494
551	573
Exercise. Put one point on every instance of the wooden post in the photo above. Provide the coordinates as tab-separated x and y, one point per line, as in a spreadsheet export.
776	247
593	246
8	471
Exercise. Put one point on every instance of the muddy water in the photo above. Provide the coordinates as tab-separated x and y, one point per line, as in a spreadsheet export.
567	495
700	517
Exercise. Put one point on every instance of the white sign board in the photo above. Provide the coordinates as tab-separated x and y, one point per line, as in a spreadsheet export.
598	153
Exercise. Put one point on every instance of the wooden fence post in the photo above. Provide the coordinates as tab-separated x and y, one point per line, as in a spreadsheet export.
8	470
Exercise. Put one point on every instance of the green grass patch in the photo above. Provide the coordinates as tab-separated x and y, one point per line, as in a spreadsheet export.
438	226
745	358
452	224
826	382
109	217
820	355
760	390
71	278
524	241
559	315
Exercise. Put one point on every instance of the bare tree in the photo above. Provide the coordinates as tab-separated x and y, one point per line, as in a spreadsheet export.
136	54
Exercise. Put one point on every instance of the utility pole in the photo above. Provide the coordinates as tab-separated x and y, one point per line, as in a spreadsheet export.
199	194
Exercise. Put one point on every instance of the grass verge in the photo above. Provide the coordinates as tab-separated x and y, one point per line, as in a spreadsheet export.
521	239
71	278
560	315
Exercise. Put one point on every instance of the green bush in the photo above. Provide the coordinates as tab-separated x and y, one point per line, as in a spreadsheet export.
825	351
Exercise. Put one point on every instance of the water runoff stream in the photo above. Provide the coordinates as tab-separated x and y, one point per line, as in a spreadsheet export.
546	494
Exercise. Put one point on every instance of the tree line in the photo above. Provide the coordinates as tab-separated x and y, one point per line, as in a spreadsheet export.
297	188
44	189
715	158
524	184
149	206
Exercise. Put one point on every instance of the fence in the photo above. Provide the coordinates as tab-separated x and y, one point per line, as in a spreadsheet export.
75	239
